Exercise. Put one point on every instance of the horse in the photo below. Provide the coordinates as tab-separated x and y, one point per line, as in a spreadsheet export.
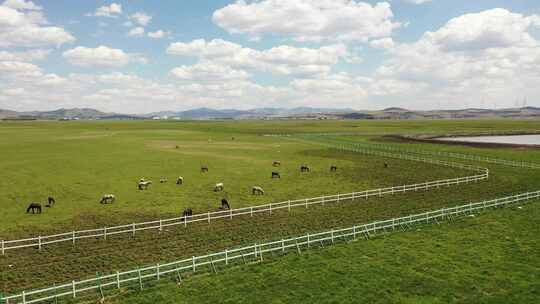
204	169
34	207
225	204
218	187
304	169
276	175
386	165
107	198
187	212
162	180
180	180
333	168
276	163
144	185
50	201
257	190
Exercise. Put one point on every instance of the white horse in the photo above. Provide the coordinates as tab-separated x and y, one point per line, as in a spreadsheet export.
144	185
180	180
257	190
107	198
163	180
218	187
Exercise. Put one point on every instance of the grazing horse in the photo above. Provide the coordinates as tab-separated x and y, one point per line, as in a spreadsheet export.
276	175
144	185
386	165
180	180
107	198
34	207
304	169
257	190
187	212
225	204
204	169
163	180
276	163
333	168
50	201
218	187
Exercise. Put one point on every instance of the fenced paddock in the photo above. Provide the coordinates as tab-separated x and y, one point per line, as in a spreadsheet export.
158	225
138	277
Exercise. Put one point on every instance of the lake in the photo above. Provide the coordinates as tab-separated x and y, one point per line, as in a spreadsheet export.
506	139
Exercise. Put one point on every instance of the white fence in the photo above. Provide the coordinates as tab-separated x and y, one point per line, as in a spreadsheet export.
99	284
72	236
492	160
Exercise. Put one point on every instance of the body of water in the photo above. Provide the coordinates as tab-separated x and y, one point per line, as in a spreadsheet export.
506	139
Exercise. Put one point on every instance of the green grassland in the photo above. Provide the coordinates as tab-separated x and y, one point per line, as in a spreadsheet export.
78	162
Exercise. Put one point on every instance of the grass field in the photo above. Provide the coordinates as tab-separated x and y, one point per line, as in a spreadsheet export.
78	162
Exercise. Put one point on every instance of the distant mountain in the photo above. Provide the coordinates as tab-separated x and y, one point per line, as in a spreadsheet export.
280	113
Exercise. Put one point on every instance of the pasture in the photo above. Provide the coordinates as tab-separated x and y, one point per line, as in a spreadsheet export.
78	162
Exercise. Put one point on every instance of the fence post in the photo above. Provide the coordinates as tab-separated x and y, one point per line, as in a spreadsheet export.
226	257
306	203
193	263
282	245
24	297
3	248
208	216
308	240
133	229
157	271
140	278
230	213
118	279
289	205
105	233
251	210
73	238
39	242
160	225
332	235
270	208
73	289
354	231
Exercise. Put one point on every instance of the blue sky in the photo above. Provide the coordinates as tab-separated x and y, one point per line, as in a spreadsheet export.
139	56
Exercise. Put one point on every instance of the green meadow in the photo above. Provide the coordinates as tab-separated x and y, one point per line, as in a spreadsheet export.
78	162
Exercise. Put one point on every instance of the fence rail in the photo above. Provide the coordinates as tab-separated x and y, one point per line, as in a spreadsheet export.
492	160
116	280
105	232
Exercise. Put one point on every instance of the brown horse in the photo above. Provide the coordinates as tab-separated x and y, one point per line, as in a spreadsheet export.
276	163
34	207
187	212
225	204
204	169
50	201
304	169
333	168
276	175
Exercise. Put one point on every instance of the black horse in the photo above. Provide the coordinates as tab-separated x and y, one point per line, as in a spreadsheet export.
204	169
386	165
50	201
34	207
187	212
225	204
304	169
276	175
333	168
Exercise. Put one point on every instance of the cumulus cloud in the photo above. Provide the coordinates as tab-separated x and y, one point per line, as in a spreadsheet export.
141	18
27	27
136	32
490	54
281	60
101	56
158	34
208	72
303	20
31	55
112	11
383	43
418	1
21	5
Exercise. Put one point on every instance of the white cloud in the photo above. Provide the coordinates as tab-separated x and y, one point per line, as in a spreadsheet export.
487	55
101	56
281	60
383	43
21	5
418	1
208	72
136	32
29	28
111	11
141	18
159	34
301	20
31	55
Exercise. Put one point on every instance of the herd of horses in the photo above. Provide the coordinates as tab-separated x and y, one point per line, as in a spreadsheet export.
145	184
